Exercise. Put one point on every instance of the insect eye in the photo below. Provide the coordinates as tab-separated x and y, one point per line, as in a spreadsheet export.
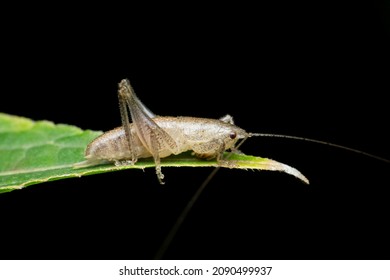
232	135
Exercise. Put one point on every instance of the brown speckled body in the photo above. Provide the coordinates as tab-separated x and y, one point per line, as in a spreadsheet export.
149	135
200	135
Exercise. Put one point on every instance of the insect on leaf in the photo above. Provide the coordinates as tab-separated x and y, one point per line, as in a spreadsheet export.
33	152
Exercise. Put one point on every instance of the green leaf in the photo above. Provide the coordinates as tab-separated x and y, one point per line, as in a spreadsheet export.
35	152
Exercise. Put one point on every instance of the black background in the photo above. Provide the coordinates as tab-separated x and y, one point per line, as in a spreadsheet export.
312	70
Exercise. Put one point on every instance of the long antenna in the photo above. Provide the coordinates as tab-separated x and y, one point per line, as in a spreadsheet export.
172	233
320	142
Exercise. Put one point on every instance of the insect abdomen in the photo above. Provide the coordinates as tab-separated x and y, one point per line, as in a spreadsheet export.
112	145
